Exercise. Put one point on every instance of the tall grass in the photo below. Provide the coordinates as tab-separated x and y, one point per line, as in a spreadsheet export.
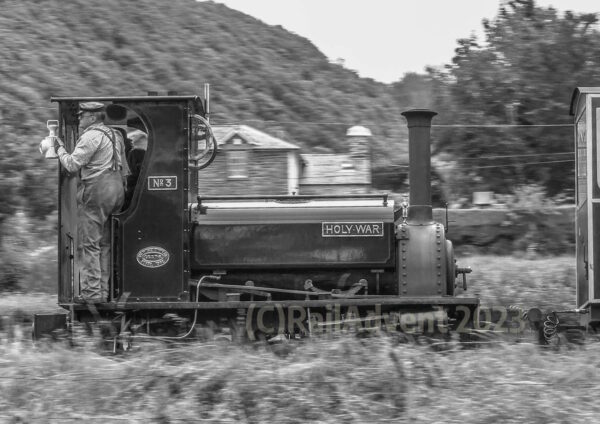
329	381
543	282
341	379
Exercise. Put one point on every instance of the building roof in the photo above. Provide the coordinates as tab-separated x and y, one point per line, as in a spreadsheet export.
334	169
252	136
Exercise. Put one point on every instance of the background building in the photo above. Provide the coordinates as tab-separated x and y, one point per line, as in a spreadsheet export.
251	162
348	173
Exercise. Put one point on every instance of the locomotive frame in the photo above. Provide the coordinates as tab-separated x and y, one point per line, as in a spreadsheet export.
159	243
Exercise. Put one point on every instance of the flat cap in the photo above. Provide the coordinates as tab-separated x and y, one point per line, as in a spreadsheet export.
90	107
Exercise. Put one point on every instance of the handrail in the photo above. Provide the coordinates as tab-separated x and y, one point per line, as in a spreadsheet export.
297	198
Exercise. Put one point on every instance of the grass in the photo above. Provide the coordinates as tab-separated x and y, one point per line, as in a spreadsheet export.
24	305
547	283
332	380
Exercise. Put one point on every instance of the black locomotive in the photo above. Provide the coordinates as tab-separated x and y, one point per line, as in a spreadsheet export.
283	264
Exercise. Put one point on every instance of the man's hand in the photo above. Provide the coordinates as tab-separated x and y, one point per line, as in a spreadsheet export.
58	143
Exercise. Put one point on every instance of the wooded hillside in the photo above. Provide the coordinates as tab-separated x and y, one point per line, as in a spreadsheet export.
498	101
523	73
259	74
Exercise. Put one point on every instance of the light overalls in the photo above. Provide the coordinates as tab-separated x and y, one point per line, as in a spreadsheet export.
100	194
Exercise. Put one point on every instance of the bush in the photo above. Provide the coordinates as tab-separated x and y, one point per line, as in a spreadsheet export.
28	252
11	272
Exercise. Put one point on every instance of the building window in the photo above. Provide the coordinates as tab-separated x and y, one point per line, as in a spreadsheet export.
237	164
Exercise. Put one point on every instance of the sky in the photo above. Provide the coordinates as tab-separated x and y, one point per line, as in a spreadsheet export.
384	39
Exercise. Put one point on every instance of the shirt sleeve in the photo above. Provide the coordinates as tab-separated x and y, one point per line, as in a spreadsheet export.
85	148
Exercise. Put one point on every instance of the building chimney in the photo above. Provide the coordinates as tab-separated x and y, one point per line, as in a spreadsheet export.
419	152
358	141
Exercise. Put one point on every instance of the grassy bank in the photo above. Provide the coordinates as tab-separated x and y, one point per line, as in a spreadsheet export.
542	282
322	380
330	381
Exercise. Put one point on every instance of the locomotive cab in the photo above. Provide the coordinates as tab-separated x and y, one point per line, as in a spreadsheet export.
150	238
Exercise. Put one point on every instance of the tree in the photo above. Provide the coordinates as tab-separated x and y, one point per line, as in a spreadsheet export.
523	74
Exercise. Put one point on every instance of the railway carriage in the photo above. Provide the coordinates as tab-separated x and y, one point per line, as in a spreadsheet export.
585	109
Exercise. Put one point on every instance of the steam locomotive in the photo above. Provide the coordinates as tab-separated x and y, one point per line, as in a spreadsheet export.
260	265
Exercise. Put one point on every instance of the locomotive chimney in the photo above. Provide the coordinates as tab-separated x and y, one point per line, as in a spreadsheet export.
419	153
